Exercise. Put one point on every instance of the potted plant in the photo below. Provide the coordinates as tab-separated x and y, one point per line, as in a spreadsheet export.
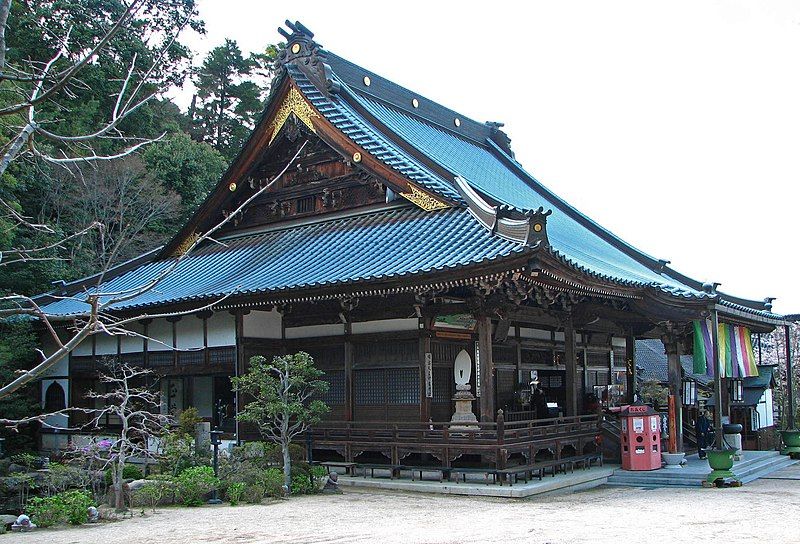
791	442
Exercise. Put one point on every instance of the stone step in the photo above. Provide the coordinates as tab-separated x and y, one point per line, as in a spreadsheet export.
747	470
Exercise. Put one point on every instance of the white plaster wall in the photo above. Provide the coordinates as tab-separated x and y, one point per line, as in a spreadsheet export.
386	325
202	395
618	342
61	368
221	329
84	348
312	331
106	344
262	324
538	334
59	421
189	332
133	344
159	330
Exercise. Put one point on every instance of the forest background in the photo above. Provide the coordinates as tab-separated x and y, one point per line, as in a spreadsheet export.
140	199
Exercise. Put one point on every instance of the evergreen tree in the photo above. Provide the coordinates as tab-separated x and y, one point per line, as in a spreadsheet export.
228	100
189	168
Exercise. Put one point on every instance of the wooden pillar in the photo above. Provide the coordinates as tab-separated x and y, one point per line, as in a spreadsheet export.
717	379
349	400
486	365
518	345
425	360
630	367
239	366
789	377
571	367
674	375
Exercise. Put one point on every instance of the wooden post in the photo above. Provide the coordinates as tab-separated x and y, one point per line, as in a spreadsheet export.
487	368
424	349
674	375
571	366
348	371
789	377
518	346
239	366
630	367
717	379
674	443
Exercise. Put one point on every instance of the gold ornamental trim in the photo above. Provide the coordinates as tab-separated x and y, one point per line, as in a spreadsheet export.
185	245
423	200
293	103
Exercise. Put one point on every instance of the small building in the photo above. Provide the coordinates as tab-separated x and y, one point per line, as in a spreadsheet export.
386	234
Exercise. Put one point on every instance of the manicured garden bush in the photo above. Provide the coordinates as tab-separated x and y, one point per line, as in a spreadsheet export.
235	492
194	483
129	472
67	506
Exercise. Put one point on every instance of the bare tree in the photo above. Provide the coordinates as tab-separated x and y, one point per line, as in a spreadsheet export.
97	316
33	84
122	197
136	407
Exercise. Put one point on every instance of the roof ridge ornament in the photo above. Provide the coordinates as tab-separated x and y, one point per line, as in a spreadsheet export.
302	51
527	227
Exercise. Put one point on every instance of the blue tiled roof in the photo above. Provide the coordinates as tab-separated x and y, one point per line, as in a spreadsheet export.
354	126
481	166
651	363
384	244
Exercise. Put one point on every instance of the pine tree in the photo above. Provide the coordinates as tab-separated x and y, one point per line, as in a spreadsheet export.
228	100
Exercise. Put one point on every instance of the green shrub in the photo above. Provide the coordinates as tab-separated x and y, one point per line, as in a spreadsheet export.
150	494
302	485
194	483
235	492
273	482
76	505
70	506
27	460
46	511
129	472
188	419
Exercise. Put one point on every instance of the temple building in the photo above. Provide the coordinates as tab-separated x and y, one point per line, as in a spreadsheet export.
401	236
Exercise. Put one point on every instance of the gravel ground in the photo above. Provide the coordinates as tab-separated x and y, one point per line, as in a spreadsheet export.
767	510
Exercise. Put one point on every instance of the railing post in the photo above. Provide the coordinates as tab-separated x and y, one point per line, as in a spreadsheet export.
501	427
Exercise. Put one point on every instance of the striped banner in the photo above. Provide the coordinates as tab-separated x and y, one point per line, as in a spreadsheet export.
735	350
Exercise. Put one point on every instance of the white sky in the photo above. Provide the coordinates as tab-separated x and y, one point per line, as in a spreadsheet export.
674	124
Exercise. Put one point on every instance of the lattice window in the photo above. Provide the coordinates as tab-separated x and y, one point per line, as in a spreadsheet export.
335	394
402	385
221	356
133	359
370	387
506	380
160	358
504	354
597	358
442	385
306	204
191	357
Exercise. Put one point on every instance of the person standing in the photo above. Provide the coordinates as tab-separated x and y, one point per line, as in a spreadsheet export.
701	428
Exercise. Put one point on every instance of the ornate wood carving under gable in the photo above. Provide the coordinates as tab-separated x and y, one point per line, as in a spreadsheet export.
423	199
294	103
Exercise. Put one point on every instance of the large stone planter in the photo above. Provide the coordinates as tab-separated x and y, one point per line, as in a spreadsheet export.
791	442
721	463
673	460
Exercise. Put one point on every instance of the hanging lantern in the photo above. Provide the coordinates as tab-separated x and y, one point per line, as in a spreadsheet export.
689	390
736	389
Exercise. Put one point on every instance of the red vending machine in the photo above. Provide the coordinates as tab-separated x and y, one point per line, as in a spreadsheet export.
641	438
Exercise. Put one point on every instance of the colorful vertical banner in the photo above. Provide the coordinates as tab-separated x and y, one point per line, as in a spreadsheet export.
735	350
